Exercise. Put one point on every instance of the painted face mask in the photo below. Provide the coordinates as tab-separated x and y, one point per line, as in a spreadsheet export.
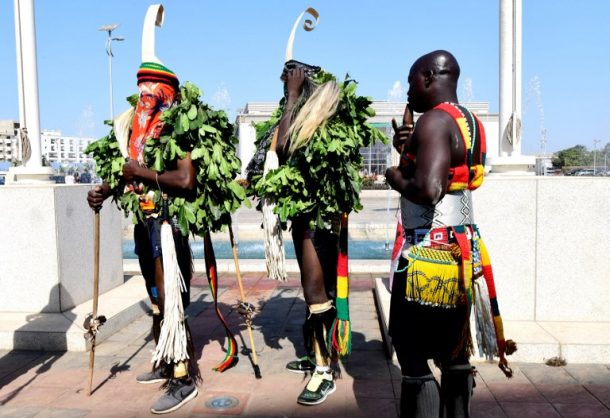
158	86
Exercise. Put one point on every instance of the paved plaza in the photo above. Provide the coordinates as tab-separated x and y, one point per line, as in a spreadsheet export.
54	384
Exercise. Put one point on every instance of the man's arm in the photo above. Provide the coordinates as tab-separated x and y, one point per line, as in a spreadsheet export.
428	184
180	179
294	84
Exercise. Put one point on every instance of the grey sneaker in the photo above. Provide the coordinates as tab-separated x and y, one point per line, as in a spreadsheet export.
302	365
177	394
156	376
317	390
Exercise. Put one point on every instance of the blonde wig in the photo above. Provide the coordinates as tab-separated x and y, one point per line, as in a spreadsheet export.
315	112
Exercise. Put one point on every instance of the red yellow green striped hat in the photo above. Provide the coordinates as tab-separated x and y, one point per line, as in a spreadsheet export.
152	71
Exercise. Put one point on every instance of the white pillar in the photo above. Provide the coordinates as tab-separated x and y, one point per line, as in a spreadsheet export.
510	78
19	76
506	74
517	73
509	158
27	69
246	149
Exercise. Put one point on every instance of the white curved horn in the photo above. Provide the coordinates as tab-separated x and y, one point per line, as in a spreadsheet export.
154	17
308	25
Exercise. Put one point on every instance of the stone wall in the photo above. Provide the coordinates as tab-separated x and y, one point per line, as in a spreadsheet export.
46	248
548	239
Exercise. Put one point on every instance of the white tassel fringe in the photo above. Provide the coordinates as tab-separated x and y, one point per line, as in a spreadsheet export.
274	247
486	332
172	345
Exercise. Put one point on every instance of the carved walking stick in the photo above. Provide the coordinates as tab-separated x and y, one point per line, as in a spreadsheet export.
93	321
244	308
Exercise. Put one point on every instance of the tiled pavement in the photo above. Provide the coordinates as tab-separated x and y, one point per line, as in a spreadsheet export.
35	384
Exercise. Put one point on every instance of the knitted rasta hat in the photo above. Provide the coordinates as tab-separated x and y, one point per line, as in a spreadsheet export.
154	72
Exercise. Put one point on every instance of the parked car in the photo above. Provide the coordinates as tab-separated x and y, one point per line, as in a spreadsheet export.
581	172
58	179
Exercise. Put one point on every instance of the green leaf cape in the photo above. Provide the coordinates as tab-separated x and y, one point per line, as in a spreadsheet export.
321	179
189	126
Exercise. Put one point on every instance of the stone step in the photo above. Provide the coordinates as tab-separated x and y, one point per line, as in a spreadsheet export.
64	331
537	341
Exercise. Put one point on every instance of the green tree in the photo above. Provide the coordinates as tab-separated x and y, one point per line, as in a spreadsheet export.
578	155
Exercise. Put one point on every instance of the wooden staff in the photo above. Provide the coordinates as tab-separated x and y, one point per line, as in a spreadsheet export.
92	322
244	307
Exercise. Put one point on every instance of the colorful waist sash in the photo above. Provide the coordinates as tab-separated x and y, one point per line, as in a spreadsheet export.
450	266
454	208
442	264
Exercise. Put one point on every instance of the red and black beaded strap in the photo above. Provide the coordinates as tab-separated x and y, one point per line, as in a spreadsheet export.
468	175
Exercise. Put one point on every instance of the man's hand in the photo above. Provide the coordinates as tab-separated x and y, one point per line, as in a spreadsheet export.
294	82
402	134
97	195
131	170
395	178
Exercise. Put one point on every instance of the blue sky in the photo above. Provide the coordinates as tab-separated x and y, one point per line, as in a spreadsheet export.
234	51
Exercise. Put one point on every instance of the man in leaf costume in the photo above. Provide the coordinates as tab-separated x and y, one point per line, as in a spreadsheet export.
321	125
195	164
444	270
170	161
158	87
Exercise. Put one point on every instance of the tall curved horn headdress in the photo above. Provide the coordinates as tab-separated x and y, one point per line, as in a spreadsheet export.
308	25
154	17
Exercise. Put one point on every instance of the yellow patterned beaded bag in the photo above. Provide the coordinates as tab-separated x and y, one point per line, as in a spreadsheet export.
438	276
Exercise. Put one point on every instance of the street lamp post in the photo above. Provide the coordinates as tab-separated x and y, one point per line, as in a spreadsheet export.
595	142
109	29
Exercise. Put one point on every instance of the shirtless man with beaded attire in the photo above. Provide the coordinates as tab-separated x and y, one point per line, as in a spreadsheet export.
442	160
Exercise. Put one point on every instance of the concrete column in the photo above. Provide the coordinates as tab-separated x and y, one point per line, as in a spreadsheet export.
517	74
509	158
506	74
246	150
510	78
19	75
27	69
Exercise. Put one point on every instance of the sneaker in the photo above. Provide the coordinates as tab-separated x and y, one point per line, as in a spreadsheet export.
156	376
177	394
317	390
302	365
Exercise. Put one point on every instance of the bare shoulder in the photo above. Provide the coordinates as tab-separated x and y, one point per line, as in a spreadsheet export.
434	116
434	123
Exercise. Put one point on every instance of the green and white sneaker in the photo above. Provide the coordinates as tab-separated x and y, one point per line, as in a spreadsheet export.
317	390
302	365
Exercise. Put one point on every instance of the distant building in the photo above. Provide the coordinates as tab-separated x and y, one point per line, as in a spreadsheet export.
56	147
9	141
377	157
